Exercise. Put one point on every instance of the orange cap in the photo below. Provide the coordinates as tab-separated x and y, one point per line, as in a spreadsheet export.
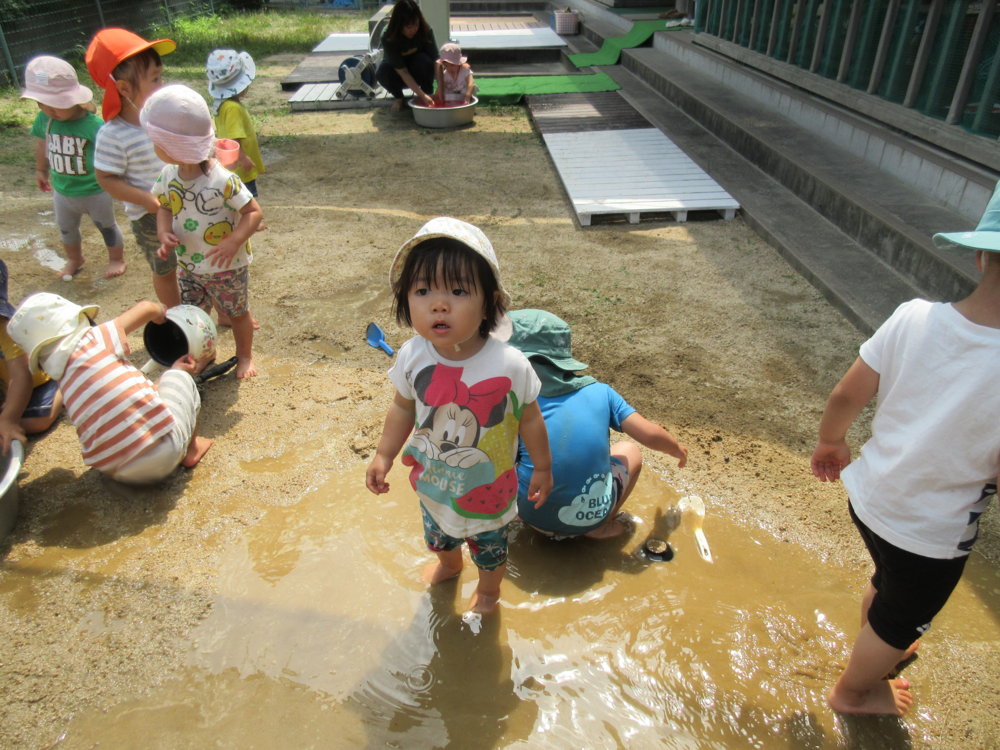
107	50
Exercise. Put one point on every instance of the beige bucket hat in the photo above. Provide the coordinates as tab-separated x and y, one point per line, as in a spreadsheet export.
44	318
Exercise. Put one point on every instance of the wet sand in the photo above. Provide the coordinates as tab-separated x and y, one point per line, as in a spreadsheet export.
701	326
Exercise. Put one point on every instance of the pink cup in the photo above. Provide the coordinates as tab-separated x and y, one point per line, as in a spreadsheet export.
227	151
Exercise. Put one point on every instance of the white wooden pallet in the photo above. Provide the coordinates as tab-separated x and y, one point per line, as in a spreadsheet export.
503	38
313	96
633	172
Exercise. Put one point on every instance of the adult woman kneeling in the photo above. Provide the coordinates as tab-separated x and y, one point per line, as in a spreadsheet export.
409	53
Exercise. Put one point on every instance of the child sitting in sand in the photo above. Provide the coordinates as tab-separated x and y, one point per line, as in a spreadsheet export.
592	479
454	76
922	481
65	132
31	401
206	215
130	69
469	394
132	430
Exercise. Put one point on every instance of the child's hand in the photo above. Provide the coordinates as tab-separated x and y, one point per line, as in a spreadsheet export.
163	252
829	459
222	254
169	239
378	469
246	163
539	487
186	364
42	180
681	454
151	203
9	432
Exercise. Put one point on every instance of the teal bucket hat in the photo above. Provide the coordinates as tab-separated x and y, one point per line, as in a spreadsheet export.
546	340
985	237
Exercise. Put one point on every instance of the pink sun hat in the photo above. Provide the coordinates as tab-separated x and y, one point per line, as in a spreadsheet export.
452	53
53	82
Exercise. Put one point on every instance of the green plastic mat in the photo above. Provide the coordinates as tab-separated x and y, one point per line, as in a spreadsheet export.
510	90
613	46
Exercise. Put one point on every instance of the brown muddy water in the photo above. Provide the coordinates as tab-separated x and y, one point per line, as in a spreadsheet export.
322	635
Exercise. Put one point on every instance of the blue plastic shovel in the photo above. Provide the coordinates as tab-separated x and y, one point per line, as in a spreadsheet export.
377	339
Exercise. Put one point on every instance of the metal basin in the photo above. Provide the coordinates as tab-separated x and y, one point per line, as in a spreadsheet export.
10	468
444	117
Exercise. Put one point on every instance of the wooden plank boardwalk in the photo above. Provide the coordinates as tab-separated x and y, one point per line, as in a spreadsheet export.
633	172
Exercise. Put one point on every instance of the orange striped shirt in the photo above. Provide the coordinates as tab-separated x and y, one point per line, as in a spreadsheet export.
114	407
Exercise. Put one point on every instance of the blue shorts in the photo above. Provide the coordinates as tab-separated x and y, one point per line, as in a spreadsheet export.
488	550
252	187
42	398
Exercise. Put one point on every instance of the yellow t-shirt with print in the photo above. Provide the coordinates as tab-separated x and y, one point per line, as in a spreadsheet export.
233	121
9	350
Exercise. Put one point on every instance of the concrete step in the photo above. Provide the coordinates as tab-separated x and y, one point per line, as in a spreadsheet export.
881	213
864	288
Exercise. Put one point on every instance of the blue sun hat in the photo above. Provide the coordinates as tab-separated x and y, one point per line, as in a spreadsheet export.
985	237
229	72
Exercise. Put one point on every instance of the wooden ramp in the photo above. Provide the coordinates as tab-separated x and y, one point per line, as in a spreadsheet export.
611	160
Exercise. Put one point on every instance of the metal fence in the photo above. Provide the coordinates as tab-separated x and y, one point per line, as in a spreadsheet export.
939	57
65	27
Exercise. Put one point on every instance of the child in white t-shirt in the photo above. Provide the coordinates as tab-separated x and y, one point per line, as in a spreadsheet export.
469	394
455	82
921	482
206	215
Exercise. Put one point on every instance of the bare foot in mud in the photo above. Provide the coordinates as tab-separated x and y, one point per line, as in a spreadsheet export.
483	604
262	227
887	697
196	451
72	268
436	572
115	268
245	368
397	105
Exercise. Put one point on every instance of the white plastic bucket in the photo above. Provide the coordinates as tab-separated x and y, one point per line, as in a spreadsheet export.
187	330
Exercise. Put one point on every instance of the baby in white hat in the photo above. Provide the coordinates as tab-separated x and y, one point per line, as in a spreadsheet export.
130	429
65	132
206	215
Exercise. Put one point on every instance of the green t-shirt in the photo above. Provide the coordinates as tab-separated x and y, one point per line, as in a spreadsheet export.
70	147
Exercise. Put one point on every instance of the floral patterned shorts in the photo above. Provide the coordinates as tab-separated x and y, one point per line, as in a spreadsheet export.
230	290
488	550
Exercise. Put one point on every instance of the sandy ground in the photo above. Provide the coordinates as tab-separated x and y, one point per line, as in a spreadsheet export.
700	325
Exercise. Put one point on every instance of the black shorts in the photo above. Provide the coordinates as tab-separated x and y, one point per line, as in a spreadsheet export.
911	589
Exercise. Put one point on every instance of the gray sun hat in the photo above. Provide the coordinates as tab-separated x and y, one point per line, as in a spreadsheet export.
985	237
539	333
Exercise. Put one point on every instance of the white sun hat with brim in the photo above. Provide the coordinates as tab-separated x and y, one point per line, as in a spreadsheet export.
985	237
53	82
177	120
229	72
470	236
43	320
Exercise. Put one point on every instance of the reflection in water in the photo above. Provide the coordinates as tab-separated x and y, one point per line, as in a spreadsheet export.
323	635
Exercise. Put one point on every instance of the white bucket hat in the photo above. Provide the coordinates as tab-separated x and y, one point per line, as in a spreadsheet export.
53	82
44	319
228	73
472	237
177	120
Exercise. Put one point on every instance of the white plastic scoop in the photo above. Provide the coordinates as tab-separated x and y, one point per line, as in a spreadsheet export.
697	506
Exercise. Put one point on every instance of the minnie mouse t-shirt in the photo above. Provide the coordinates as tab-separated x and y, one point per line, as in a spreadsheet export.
461	454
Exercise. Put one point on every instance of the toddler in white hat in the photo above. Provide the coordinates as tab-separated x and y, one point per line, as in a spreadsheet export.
141	432
206	215
230	74
65	131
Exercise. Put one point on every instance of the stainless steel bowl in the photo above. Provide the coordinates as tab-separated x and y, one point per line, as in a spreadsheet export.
444	117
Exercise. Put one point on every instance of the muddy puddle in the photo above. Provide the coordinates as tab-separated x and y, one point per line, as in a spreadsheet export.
322	635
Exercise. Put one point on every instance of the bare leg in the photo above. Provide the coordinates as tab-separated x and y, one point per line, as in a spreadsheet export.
116	261
632	456
34	425
225	321
449	565
243	333
167	290
861	689
487	594
75	262
397	105
197	449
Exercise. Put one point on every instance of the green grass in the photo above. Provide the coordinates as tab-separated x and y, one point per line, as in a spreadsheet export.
261	34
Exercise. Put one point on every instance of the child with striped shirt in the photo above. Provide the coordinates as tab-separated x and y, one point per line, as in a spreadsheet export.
133	430
129	69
